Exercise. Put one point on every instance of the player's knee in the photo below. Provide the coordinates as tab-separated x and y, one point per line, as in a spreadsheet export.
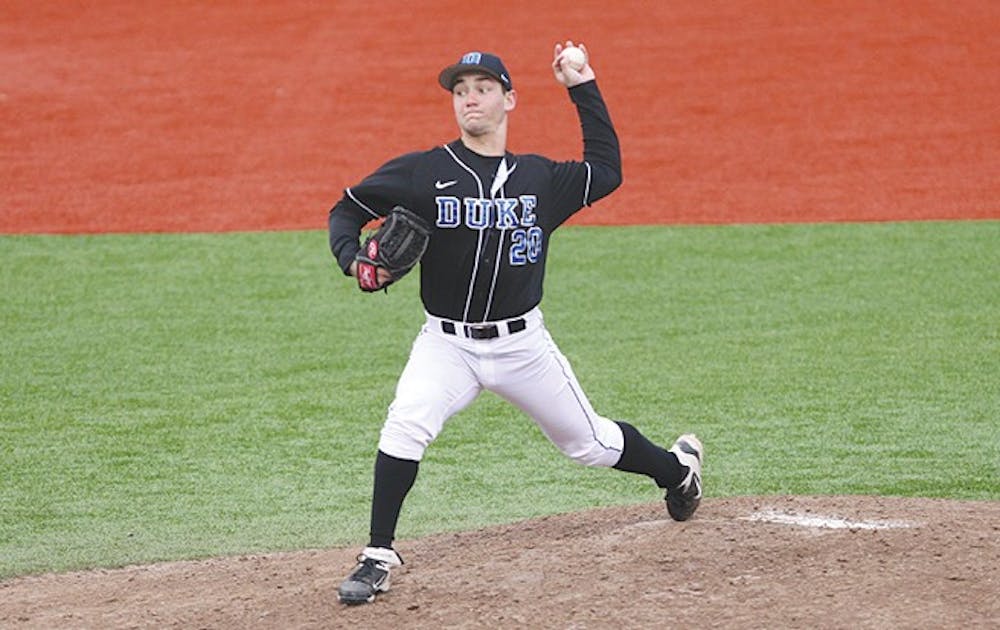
409	430
401	443
602	446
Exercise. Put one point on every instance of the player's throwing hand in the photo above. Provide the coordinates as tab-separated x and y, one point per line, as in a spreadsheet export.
564	68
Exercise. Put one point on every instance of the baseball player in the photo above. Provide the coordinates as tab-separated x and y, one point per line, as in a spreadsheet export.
491	215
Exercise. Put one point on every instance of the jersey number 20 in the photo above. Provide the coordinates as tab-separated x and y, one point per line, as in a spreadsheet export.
525	246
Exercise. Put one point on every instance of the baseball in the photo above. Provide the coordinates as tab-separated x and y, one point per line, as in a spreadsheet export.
574	57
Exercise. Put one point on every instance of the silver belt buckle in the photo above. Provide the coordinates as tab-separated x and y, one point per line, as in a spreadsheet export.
482	331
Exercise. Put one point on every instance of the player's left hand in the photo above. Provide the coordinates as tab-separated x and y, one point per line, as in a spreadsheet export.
370	278
565	73
392	251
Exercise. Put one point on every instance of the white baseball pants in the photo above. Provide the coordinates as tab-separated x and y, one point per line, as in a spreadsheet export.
446	371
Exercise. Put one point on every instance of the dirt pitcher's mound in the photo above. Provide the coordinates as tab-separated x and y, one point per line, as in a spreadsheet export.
790	562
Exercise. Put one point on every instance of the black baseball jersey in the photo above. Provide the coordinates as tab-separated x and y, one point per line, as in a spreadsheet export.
492	216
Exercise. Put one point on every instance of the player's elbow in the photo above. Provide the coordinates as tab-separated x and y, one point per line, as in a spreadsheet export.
607	179
614	180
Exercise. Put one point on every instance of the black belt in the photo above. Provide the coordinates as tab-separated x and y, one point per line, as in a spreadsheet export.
485	331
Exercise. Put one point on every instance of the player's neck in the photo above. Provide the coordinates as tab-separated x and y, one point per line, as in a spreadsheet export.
490	144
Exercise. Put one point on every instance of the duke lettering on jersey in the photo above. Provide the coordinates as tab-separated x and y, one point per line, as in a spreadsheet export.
479	213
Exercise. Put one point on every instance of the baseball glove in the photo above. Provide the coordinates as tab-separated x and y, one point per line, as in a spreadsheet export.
396	246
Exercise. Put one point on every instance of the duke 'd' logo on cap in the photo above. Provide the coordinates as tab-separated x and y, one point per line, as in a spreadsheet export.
373	250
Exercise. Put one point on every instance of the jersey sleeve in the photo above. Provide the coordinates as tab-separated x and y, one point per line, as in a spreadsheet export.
372	198
578	184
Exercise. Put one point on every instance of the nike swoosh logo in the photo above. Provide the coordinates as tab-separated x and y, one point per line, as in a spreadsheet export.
440	185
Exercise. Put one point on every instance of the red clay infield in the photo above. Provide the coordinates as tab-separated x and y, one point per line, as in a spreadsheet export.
173	116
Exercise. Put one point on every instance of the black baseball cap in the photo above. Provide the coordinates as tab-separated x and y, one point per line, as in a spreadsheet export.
476	62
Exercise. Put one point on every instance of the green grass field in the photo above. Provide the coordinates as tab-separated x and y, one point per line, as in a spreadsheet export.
179	396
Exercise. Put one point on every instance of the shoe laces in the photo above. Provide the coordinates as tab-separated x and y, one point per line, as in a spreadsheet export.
369	570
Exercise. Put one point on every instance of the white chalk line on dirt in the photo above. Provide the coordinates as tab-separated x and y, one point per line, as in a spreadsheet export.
816	521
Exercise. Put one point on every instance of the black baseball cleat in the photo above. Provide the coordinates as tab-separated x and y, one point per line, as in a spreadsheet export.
683	499
370	577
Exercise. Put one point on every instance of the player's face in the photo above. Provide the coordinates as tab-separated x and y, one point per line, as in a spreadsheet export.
480	103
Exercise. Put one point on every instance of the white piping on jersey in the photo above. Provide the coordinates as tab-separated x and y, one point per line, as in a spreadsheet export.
466	167
586	188
350	194
479	246
502	174
472	280
498	187
496	274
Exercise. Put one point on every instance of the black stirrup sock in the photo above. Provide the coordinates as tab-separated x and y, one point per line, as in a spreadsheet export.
393	479
641	456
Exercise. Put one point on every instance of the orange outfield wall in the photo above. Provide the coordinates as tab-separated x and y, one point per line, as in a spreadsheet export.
176	116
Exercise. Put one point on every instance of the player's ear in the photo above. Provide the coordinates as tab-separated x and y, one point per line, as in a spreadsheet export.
509	100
